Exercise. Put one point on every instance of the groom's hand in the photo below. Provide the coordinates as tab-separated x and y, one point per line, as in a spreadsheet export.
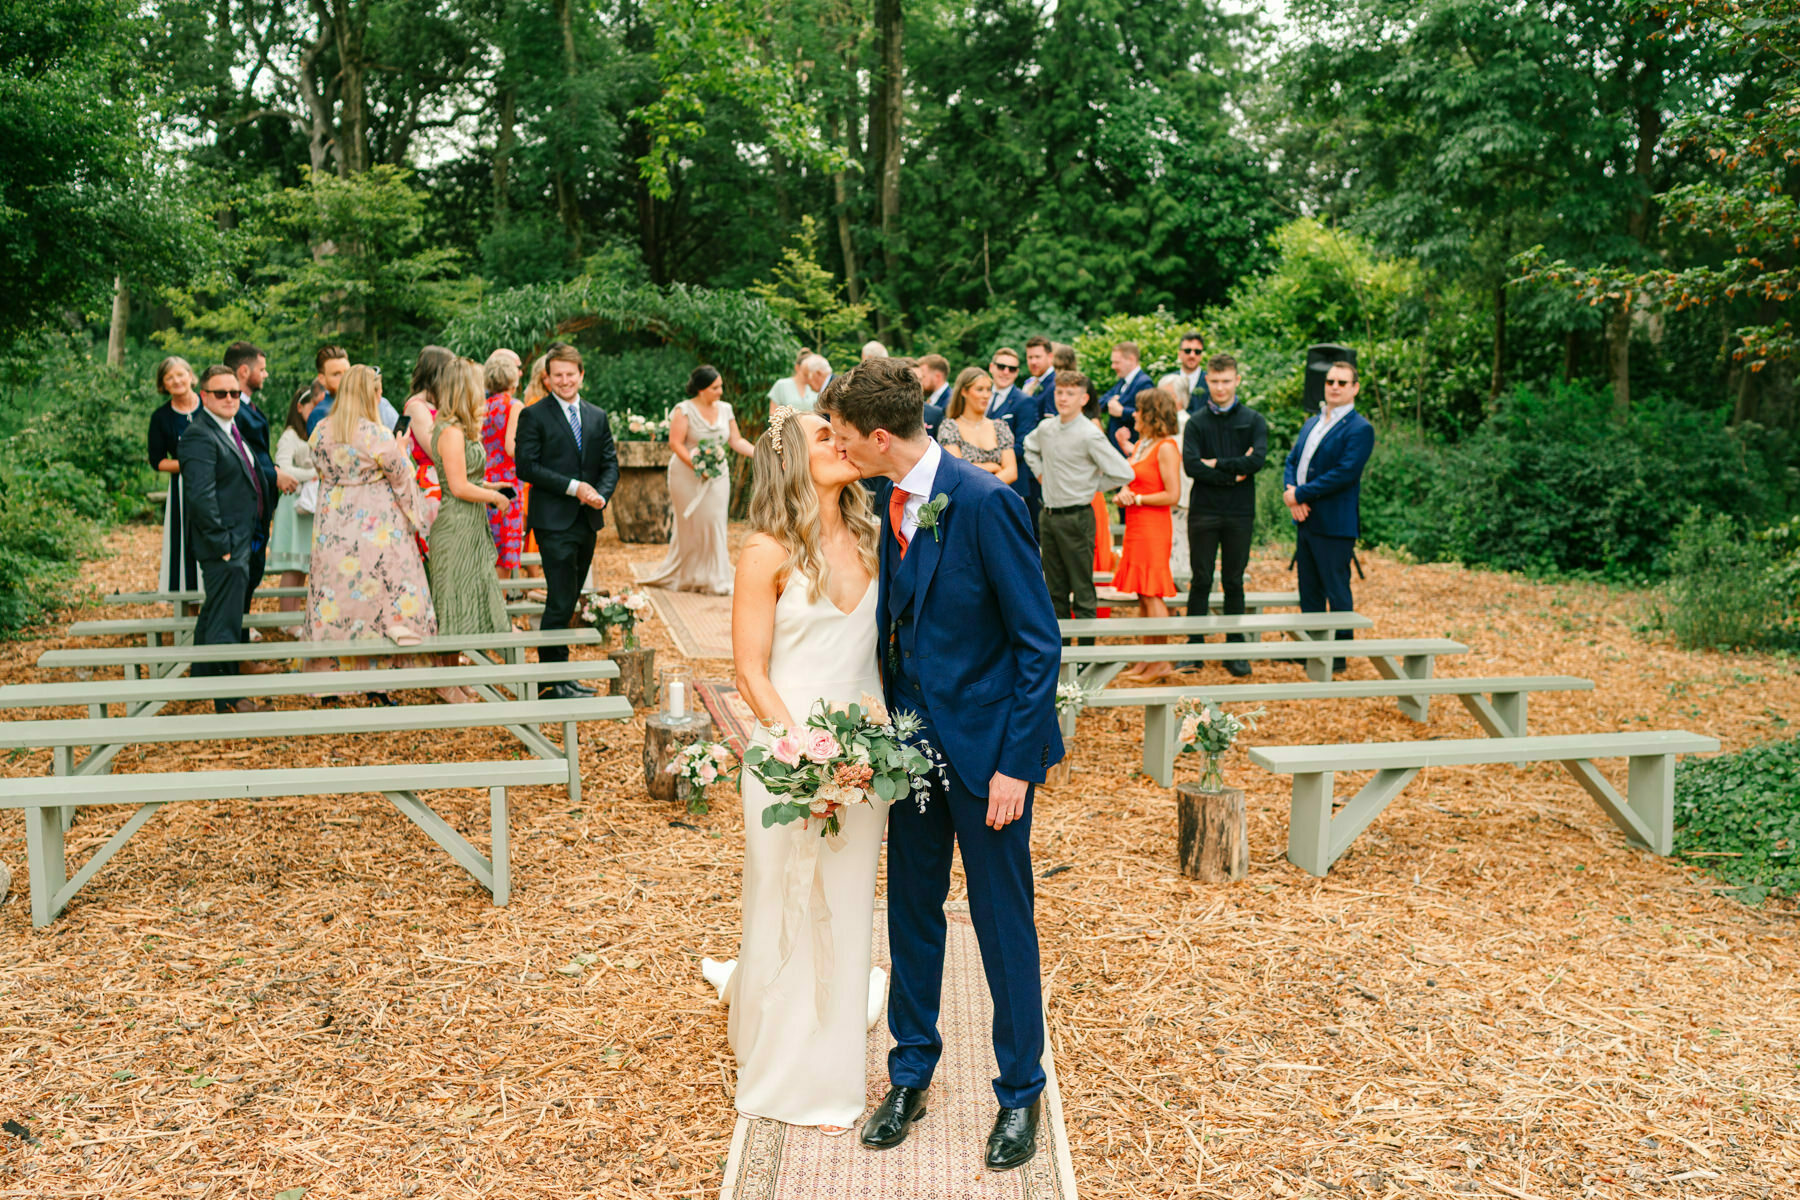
1006	800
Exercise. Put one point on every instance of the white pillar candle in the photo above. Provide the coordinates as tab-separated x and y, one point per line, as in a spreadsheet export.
678	699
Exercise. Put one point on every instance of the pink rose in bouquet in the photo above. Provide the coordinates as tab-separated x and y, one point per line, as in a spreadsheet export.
821	746
786	750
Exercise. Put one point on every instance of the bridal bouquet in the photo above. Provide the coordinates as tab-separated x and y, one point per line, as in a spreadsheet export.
618	610
847	754
1209	731
696	768
709	459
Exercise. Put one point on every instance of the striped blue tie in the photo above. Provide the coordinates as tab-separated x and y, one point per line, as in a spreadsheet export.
574	412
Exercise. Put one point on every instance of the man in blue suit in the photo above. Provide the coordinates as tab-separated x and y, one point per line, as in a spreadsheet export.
969	642
1120	401
1040	365
934	378
1324	488
1021	414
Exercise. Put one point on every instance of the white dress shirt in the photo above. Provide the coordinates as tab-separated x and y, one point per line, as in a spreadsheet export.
917	486
226	427
941	397
1325	424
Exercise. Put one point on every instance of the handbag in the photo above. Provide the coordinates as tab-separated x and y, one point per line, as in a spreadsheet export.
306	500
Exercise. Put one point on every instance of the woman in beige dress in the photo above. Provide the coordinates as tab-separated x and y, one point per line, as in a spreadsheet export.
698	559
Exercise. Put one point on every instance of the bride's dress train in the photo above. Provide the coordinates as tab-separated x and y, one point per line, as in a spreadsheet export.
803	991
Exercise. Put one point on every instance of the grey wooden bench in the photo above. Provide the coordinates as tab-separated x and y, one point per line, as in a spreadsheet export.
1499	705
164	660
1394	658
273	591
1316	838
1254	602
42	798
180	630
1299	625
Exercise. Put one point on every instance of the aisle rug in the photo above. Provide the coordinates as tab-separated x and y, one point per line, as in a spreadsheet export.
733	718
941	1160
700	625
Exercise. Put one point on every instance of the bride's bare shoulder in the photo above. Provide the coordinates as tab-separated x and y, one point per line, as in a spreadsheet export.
761	561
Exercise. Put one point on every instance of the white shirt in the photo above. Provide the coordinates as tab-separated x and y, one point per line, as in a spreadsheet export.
1323	426
1194	380
941	397
225	427
572	414
917	486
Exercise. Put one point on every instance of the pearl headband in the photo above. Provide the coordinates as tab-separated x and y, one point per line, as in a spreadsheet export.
776	420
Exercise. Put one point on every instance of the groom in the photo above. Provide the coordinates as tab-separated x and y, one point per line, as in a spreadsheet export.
969	642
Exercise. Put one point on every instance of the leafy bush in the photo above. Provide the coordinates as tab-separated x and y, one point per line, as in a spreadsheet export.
1723	592
1738	815
647	382
1157	335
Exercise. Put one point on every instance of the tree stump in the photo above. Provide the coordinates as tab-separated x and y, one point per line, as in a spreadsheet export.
664	738
1212	833
637	675
639	507
1059	774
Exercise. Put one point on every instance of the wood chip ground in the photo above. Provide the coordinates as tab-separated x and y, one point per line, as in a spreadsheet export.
1491	995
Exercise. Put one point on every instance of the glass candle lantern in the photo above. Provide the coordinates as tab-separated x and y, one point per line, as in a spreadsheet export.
677	695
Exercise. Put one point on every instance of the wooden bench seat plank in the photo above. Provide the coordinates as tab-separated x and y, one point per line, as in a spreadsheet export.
1095	666
145	656
42	800
1254	602
1318	837
132	692
277	592
173	626
1126	627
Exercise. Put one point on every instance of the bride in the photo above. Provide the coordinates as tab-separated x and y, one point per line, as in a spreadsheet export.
803	995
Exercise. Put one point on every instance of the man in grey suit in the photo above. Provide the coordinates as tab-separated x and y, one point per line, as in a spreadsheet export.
230	495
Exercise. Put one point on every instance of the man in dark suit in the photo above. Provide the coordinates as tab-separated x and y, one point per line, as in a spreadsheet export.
1040	367
1021	414
1324	488
1120	401
565	452
934	377
230	494
250	367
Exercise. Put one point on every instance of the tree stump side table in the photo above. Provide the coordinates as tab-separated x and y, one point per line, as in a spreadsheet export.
636	680
1212	833
639	508
664	738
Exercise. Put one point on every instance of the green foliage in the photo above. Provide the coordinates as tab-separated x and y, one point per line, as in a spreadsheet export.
1553	484
810	299
970	338
1725	591
1738	816
739	334
646	382
1157	335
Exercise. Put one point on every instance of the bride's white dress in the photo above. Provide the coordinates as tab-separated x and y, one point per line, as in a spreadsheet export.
801	993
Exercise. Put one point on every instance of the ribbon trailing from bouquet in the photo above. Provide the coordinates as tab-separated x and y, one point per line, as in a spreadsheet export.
802	877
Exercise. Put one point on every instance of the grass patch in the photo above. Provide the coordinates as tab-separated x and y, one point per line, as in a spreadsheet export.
1737	817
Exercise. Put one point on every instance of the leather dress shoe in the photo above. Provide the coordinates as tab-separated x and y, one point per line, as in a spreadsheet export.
261	666
580	688
1014	1139
1237	667
893	1118
239	706
564	691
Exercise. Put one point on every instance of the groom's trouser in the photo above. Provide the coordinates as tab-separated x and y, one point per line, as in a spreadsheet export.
998	866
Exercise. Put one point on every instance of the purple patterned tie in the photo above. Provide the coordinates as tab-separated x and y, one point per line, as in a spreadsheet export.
255	478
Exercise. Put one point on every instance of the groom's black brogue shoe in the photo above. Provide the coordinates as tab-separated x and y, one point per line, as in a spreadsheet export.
893	1118
1014	1139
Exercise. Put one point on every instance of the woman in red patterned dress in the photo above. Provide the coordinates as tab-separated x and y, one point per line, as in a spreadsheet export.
499	428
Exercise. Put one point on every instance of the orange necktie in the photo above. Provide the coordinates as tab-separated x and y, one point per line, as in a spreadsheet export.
896	510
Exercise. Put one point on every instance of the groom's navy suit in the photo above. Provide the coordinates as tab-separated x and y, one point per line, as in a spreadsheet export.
970	643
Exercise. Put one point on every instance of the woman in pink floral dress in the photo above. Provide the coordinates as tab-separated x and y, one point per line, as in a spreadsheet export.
367	579
499	431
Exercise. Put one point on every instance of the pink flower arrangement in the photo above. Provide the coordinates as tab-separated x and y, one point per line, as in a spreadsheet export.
821	746
847	755
786	749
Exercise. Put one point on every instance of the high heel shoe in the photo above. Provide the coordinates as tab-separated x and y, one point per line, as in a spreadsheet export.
401	635
457	695
380	699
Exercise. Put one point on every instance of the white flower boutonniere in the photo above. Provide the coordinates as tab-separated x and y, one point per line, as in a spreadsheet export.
930	512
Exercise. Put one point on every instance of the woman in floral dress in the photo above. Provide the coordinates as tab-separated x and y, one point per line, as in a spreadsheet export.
367	580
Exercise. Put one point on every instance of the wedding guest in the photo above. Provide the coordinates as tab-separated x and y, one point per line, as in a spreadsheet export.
1188	380
178	571
566	453
1063	361
1143	567
535	389
465	591
973	436
934	376
820	374
290	535
433	375
873	349
795	391
368	579
698	558
1021	414
500	440
1041	382
1324	490
1225	445
251	367
331	362
229	494
1120	400
1070	458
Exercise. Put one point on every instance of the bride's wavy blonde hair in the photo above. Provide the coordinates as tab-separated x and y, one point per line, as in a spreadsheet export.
784	504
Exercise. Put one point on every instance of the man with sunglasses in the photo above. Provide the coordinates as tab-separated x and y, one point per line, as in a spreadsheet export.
249	366
1022	414
1324	489
1188	379
230	496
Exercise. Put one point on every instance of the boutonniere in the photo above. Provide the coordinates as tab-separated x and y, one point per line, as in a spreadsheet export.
930	511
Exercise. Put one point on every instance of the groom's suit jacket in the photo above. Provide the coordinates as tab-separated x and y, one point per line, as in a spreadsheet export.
983	639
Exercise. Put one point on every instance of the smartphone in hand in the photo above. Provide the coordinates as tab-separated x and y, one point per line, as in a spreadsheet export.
401	424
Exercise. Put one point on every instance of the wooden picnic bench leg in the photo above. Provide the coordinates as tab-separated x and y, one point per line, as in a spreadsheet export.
1159	743
1501	716
572	751
1650	787
1412	666
44	862
439	831
1636	825
1309	823
500	845
64	758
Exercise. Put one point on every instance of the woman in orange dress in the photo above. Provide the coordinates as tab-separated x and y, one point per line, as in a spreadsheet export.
1148	499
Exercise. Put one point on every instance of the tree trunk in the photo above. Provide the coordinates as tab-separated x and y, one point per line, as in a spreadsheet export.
1499	376
348	27
121	317
889	24
504	143
568	205
1212	835
1618	355
840	195
664	739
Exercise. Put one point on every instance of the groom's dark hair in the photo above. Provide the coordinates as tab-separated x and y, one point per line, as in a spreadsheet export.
882	393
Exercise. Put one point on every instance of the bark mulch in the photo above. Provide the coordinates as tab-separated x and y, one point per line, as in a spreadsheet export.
1490	995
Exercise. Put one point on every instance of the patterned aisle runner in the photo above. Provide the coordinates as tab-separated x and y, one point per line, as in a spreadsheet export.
700	625
941	1160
